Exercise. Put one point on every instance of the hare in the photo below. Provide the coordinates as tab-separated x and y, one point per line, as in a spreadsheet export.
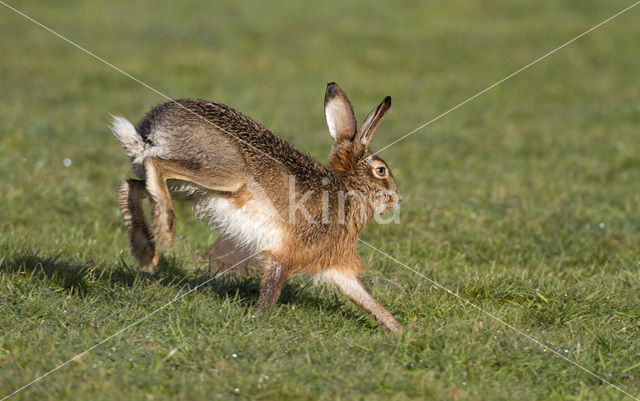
267	198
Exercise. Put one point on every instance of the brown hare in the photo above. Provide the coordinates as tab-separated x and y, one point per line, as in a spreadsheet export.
267	197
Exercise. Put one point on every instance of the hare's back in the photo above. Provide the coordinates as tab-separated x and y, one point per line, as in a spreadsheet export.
197	136
196	119
216	136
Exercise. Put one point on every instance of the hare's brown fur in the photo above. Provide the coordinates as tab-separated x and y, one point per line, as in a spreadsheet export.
243	179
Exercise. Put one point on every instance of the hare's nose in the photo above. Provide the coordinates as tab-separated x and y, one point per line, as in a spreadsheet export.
400	198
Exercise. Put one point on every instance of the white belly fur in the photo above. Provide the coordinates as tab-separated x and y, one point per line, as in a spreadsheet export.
249	228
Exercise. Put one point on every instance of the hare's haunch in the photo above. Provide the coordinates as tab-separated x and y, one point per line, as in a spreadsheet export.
267	197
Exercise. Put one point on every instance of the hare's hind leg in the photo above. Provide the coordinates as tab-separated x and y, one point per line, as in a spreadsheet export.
130	194
158	171
352	287
162	215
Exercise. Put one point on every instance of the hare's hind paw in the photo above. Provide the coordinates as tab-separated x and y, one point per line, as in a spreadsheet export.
130	194
149	262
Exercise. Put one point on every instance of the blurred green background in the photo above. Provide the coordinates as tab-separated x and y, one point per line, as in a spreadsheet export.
524	201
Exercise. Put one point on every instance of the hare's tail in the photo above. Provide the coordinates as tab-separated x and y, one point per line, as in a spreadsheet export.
128	137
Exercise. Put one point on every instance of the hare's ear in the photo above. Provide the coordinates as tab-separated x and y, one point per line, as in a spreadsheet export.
365	133
339	113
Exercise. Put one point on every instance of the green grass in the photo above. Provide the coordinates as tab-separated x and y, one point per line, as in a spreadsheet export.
524	201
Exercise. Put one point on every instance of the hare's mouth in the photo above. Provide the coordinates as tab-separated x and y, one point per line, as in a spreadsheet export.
385	203
387	206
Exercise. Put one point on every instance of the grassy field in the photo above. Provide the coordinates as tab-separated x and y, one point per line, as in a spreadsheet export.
524	201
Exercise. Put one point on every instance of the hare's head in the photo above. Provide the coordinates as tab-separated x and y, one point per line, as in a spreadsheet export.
350	157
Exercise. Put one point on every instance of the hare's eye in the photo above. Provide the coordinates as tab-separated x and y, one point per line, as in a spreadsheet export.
380	171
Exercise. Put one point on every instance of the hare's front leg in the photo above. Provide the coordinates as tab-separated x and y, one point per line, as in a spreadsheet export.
130	194
273	279
352	287
224	255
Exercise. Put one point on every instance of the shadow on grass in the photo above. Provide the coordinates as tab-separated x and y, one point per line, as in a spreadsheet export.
81	279
78	278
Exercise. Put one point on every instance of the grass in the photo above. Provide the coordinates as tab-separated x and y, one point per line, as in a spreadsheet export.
524	201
